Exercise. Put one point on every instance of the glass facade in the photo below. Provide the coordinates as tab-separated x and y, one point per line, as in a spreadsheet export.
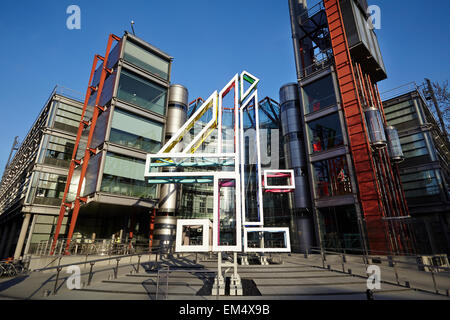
339	228
421	184
134	131
325	133
319	95
331	177
227	212
404	112
146	60
56	151
197	201
47	189
142	92
67	117
414	145
125	176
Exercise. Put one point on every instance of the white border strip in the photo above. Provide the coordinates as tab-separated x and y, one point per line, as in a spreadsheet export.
204	247
292	179
287	240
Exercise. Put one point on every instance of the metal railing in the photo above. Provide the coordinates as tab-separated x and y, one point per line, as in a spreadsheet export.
87	246
407	271
91	263
322	62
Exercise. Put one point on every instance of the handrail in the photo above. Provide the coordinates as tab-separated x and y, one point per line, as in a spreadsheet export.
98	260
383	259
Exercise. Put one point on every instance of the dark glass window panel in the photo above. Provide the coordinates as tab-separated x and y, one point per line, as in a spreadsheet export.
319	95
325	133
57	152
142	92
331	177
67	118
146	60
48	189
135	131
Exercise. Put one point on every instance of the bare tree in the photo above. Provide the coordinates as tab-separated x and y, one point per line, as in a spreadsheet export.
442	94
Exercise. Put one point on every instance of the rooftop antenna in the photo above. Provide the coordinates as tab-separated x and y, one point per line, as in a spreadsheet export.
132	26
15	147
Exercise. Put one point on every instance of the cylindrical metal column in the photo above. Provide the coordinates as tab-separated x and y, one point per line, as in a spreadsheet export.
165	232
293	143
22	235
165	222
295	155
176	117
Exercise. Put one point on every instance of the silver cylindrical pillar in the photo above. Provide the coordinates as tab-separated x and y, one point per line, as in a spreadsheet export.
294	150
22	235
164	234
165	222
293	143
176	117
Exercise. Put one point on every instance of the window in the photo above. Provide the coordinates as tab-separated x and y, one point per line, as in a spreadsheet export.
142	92
339	228
134	131
402	112
57	151
421	184
331	177
325	133
67	117
414	145
48	188
319	95
146	60
124	175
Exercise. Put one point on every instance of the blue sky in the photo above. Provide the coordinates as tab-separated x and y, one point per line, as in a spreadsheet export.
210	41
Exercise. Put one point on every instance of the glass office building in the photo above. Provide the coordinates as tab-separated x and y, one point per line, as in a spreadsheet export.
425	172
33	184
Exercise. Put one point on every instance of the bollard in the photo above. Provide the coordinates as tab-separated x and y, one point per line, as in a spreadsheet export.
434	280
90	273
117	269
138	264
58	270
369	294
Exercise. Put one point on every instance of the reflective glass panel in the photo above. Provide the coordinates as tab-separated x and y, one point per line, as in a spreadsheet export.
144	59
325	133
135	131
331	177
142	92
319	95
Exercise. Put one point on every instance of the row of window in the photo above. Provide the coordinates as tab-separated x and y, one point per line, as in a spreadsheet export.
65	117
401	113
421	184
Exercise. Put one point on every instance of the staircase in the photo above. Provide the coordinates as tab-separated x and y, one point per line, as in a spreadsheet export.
296	278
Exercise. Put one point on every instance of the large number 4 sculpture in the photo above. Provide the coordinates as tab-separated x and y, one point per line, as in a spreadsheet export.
233	168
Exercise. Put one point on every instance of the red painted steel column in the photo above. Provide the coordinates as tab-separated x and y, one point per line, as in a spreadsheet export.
369	195
87	155
73	163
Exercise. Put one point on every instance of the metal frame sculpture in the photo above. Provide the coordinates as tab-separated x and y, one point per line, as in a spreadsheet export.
228	169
